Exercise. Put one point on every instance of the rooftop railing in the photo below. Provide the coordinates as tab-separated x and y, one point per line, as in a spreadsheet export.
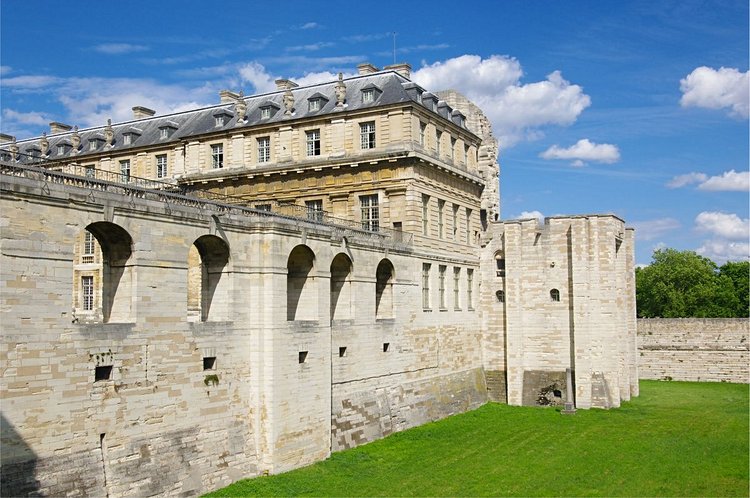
84	176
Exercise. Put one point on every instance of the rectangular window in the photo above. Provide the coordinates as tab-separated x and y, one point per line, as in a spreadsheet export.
313	142
441	286
456	288
455	222
88	248
164	133
468	226
219	120
87	292
425	214
452	152
92	145
438	137
125	170
217	156
368	96
127	139
265	112
367	135
426	285
315	210
466	155
370	212
161	166
469	288
264	149
441	208
60	149
422	128
313	105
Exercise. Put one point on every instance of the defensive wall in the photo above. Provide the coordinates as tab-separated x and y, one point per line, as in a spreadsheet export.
307	342
694	349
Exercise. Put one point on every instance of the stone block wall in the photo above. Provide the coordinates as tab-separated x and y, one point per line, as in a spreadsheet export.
694	349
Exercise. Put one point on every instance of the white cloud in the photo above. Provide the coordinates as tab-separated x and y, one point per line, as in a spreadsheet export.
653	229
728	181
721	251
31	82
310	25
5	70
321	77
312	47
119	48
256	75
725	88
725	225
687	179
531	214
584	150
517	110
25	118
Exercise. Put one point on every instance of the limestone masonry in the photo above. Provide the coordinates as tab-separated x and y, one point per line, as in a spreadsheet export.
195	298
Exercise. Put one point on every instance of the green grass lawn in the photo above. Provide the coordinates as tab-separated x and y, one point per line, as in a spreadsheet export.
676	439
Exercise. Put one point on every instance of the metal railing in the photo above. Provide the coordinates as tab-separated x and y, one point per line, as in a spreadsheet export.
84	176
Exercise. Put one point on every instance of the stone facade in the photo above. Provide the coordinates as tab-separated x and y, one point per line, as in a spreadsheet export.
694	349
290	274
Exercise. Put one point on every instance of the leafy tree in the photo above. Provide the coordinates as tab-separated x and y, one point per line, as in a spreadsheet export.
739	272
683	284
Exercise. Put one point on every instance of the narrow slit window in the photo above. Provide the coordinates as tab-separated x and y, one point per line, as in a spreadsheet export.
386	346
302	356
342	351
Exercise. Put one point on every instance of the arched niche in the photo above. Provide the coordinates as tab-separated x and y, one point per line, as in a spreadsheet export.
208	282
301	296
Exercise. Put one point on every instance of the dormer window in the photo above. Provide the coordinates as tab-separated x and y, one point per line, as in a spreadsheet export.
127	139
94	143
419	97
221	117
165	131
63	148
370	94
316	102
268	109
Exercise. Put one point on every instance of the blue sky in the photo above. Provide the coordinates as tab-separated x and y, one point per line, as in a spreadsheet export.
635	108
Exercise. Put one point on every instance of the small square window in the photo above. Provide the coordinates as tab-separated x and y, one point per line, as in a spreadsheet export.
342	351
302	356
92	145
313	105
102	373
265	112
368	96
386	346
164	133
61	149
209	363
127	139
219	120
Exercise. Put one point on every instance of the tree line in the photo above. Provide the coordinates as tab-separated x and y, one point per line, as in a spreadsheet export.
683	284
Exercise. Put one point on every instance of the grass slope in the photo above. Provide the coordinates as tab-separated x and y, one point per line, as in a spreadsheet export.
676	439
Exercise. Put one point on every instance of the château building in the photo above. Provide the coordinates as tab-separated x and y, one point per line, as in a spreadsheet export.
193	298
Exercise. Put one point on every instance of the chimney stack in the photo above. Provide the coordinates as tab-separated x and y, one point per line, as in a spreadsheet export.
366	68
284	84
4	139
55	127
403	68
228	97
140	112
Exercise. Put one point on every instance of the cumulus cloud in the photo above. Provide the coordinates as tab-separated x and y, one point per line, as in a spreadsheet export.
729	181
256	75
26	118
531	214
725	88
725	225
310	25
654	229
119	48
686	179
584	150
517	110
312	47
720	251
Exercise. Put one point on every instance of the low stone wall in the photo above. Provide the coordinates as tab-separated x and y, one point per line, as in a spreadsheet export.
694	349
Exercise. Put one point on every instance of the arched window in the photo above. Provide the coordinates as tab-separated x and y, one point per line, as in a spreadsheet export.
102	289
500	296
554	294
500	264
384	290
208	285
341	287
301	299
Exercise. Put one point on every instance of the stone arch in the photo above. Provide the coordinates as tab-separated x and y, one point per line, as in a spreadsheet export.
301	296
341	287
499	258
384	276
208	284
103	274
554	295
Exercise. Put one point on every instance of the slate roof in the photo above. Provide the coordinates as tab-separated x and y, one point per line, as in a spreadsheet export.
393	88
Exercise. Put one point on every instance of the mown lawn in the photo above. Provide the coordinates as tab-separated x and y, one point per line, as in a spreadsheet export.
676	439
